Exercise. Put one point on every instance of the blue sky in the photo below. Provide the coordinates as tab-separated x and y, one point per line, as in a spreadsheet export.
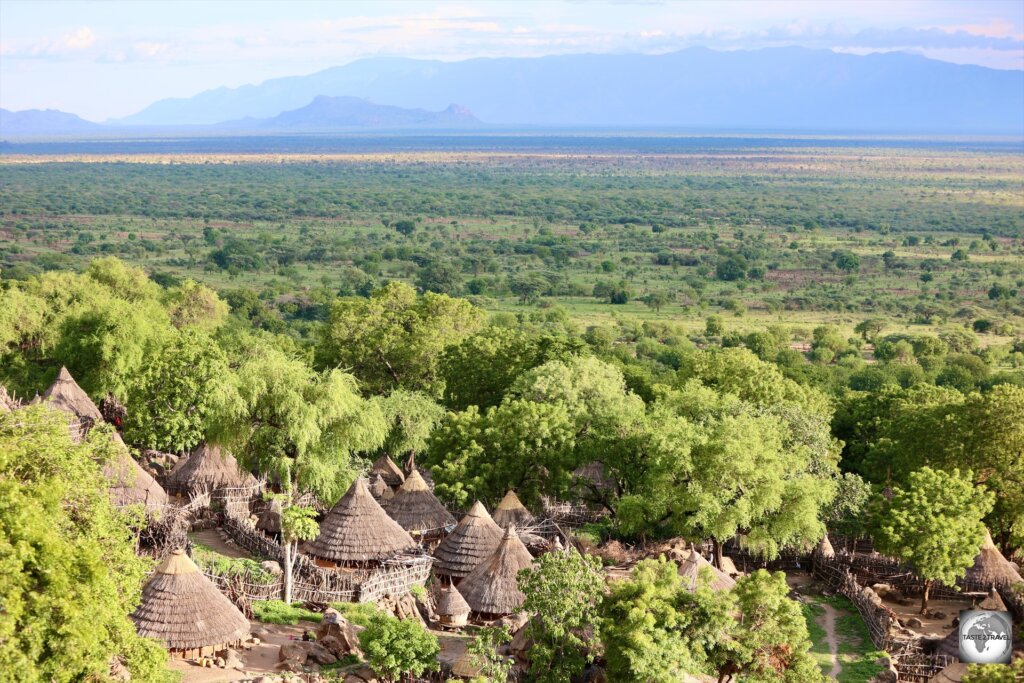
110	59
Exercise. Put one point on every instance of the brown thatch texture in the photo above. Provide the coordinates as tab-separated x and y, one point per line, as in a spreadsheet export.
690	569
950	645
491	588
511	512
270	520
65	394
416	508
954	673
378	486
991	568
129	483
184	610
386	468
7	402
472	541
357	530
208	468
825	548
450	602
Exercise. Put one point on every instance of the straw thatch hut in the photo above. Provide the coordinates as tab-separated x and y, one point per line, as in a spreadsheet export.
690	569
129	483
991	568
511	512
208	468
270	521
824	548
954	673
950	645
184	610
65	394
417	509
466	667
491	589
386	468
357	532
473	540
378	487
452	609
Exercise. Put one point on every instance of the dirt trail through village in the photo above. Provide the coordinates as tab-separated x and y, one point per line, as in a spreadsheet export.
828	622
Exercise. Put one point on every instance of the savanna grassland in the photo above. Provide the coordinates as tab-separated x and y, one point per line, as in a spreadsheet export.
920	235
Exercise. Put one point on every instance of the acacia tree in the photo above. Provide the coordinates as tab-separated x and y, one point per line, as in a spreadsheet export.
563	591
934	524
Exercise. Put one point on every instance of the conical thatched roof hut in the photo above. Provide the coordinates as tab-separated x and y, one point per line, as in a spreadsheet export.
184	610
689	569
208	468
991	568
417	509
452	609
386	468
270	520
378	487
954	673
65	394
950	645
473	540
357	531
491	589
129	483
824	548
511	512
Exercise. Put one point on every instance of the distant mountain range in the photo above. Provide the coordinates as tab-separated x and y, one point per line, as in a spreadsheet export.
43	122
337	113
778	89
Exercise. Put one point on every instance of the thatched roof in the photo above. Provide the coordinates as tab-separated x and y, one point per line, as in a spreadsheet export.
450	602
825	548
950	645
65	394
416	508
208	468
954	673
183	609
472	541
378	486
386	467
358	530
129	483
270	520
993	602
991	568
511	512
491	588
689	569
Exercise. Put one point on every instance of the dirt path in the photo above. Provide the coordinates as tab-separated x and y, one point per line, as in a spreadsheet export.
828	622
214	540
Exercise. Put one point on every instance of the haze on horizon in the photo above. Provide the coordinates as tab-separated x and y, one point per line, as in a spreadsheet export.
105	60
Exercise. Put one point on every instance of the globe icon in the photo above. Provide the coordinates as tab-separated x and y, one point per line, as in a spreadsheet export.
985	637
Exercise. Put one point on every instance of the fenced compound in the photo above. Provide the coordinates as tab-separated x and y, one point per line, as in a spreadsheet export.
571	514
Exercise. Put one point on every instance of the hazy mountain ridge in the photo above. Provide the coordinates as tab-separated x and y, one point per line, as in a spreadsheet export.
42	122
333	113
783	88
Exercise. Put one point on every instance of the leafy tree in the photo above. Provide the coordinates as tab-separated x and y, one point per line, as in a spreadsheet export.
411	417
441	277
870	329
483	650
562	592
398	647
196	306
297	524
405	227
480	369
283	419
529	286
69	575
395	338
771	642
846	261
656	300
934	524
171	398
995	673
714	326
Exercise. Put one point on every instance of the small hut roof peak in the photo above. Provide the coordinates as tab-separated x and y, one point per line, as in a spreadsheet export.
690	569
64	375
414	482
358	529
387	468
511	502
177	563
472	541
512	511
478	510
991	568
491	587
66	395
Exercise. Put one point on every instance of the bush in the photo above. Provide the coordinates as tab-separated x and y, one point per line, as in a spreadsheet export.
395	647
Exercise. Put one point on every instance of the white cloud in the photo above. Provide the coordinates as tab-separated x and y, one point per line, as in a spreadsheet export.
82	39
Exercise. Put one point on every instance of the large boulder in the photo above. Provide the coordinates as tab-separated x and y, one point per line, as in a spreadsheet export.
292	656
338	635
321	655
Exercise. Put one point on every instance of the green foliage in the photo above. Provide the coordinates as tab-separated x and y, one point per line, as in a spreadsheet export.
397	647
395	338
995	673
563	591
299	524
277	612
934	524
411	416
69	575
483	649
230	566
